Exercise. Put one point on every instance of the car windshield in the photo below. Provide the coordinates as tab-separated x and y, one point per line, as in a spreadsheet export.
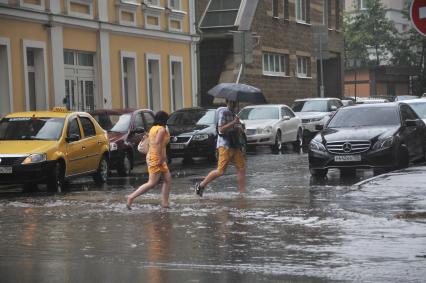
114	122
260	113
420	109
193	117
31	128
311	106
365	117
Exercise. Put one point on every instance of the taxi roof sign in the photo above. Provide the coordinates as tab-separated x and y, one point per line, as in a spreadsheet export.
60	109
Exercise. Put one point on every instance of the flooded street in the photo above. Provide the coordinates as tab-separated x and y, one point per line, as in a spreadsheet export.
287	228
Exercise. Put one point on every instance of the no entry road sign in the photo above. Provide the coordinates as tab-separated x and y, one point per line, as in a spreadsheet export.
418	15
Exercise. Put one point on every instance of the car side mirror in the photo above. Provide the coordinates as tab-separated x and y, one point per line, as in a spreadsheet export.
72	138
286	118
319	127
411	123
138	130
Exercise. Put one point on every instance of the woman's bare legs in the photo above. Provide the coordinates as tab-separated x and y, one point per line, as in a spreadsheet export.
152	181
165	189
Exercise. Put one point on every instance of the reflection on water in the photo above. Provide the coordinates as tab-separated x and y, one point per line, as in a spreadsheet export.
285	229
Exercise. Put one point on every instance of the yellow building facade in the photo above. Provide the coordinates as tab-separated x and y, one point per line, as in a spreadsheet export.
92	54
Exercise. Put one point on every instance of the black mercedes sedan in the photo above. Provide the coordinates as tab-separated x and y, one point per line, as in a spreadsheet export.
193	133
379	136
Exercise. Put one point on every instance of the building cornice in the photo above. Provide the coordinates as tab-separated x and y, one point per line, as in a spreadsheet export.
70	21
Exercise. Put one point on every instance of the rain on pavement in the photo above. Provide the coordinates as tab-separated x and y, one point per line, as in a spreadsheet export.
287	228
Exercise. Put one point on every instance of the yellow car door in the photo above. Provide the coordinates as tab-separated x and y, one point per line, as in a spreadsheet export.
90	144
75	150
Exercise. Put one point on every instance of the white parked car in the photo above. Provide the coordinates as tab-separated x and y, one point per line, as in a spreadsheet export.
315	111
271	125
419	106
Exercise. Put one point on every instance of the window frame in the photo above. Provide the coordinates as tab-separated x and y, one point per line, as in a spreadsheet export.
299	67
284	71
175	59
154	57
125	55
174	8
300	4
40	7
127	6
84	118
5	42
88	3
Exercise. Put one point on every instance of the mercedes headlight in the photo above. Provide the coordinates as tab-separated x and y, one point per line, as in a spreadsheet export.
316	146
35	158
266	130
200	137
383	143
315	120
112	146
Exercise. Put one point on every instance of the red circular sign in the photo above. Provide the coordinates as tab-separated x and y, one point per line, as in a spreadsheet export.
418	15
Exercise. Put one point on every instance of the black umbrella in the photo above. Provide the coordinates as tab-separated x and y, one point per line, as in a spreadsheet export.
238	92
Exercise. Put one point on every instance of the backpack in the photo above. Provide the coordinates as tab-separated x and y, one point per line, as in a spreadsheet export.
234	137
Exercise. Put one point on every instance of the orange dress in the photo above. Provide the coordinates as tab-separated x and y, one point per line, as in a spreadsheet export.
152	158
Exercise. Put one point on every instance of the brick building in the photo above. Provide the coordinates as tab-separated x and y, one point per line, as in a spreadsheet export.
281	39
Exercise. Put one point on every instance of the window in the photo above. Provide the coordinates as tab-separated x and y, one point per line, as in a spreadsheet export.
73	128
149	119
68	58
80	8
303	67
328	13
154	82
174	4
35	70
88	127
302	11
176	83
153	2
275	64
32	4
138	124
275	8
6	93
127	12
337	14
362	4
221	13
286	10
129	79
85	59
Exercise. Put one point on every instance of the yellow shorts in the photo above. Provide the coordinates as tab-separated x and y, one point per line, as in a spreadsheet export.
163	168
230	155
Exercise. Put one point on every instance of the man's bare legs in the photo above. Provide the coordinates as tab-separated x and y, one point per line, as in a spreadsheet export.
210	177
241	179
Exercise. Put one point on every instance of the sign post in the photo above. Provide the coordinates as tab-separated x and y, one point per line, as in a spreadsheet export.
418	15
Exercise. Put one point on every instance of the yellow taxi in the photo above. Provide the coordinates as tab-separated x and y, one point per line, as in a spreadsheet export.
50	147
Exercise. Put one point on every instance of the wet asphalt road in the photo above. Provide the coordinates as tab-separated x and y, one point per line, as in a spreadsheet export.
288	228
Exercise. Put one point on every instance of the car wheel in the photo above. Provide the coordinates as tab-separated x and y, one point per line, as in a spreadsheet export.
101	174
278	144
297	145
56	179
318	173
125	167
403	157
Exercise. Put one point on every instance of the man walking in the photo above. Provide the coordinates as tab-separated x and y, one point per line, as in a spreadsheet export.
228	153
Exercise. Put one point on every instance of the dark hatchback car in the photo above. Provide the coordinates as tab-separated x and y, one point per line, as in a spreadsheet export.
379	136
125	128
192	133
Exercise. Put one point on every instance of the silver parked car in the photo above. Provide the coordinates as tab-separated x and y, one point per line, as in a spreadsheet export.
271	125
315	112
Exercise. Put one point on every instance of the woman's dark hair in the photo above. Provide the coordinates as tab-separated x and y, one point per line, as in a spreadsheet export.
160	118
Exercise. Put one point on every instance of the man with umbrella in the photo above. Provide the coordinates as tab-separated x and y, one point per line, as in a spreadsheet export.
228	152
228	123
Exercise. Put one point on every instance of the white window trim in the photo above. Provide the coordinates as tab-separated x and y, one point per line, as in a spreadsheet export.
362	5
274	74
173	59
40	45
80	15
303	75
174	17
127	7
152	56
152	5
23	4
299	21
131	55
6	42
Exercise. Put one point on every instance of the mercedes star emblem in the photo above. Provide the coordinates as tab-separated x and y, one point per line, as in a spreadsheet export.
174	139
347	147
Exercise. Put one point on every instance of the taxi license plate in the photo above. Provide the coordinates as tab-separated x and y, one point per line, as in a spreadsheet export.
177	146
5	170
347	158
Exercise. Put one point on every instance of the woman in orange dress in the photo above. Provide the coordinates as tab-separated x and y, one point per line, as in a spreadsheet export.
156	161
